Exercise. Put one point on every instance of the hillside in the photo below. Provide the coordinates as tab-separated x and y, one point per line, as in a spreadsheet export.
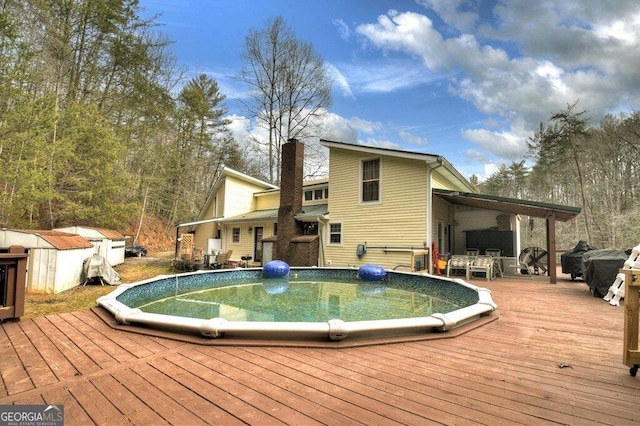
155	235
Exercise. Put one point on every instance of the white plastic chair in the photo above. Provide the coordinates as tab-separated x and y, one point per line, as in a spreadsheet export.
458	262
483	263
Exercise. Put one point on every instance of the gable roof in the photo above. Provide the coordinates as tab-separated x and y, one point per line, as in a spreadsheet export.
441	165
509	205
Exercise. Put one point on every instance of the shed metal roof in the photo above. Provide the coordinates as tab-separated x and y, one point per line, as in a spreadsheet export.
58	239
107	233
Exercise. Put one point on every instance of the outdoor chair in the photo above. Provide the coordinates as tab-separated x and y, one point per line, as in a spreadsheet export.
472	251
497	265
224	259
458	262
482	264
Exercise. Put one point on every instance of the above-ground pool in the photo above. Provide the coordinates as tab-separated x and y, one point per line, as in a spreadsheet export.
328	304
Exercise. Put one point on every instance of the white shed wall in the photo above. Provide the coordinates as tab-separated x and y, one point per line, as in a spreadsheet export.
54	271
10	238
41	274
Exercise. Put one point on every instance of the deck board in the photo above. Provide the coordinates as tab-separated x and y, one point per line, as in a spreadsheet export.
554	355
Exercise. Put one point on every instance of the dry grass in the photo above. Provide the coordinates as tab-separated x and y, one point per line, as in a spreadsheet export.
84	297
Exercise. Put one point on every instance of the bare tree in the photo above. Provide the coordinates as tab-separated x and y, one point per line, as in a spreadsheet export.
289	87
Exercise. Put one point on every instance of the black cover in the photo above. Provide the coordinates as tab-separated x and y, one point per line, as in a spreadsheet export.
600	268
572	260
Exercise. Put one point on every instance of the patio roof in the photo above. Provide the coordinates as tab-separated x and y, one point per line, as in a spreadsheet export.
256	215
509	205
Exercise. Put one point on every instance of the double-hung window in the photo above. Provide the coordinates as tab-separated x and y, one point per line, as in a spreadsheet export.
235	235
335	233
370	190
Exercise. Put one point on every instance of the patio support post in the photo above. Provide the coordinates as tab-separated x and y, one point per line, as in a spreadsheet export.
551	247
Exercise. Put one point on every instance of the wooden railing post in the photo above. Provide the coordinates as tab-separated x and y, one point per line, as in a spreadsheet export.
631	354
14	279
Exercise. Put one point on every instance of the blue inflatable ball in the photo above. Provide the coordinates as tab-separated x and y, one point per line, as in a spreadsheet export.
275	269
371	273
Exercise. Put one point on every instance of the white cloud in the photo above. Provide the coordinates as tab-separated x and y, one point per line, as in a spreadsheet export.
383	76
343	29
449	11
329	126
379	143
340	80
537	59
413	139
365	126
503	144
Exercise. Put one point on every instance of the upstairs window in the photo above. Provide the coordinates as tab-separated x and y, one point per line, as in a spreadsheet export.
371	180
316	194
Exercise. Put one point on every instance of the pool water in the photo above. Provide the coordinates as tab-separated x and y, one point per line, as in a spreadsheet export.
311	304
306	301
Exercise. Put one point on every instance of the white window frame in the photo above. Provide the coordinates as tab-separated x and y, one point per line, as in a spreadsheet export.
330	233
361	181
316	194
233	234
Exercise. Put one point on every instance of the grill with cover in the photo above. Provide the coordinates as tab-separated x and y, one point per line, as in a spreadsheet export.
572	260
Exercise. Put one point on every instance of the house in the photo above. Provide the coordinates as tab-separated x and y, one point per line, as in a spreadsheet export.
55	258
239	211
107	242
379	205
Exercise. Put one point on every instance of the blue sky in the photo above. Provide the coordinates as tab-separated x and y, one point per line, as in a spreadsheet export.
467	79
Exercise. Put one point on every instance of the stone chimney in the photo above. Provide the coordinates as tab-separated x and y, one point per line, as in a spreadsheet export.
291	178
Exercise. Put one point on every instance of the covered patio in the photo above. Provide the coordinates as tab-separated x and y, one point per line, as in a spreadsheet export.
554	355
550	212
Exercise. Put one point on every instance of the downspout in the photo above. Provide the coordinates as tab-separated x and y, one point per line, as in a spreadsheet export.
323	221
438	163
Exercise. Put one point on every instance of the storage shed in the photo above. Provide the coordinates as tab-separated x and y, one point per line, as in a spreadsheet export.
55	258
108	243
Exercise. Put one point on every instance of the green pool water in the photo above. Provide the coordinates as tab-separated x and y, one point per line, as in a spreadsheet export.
304	301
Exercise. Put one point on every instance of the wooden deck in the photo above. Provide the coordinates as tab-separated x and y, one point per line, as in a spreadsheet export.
554	356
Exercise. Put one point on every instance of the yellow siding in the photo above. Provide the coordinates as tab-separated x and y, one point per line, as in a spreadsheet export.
234	197
399	220
238	196
246	244
268	201
441	182
204	231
